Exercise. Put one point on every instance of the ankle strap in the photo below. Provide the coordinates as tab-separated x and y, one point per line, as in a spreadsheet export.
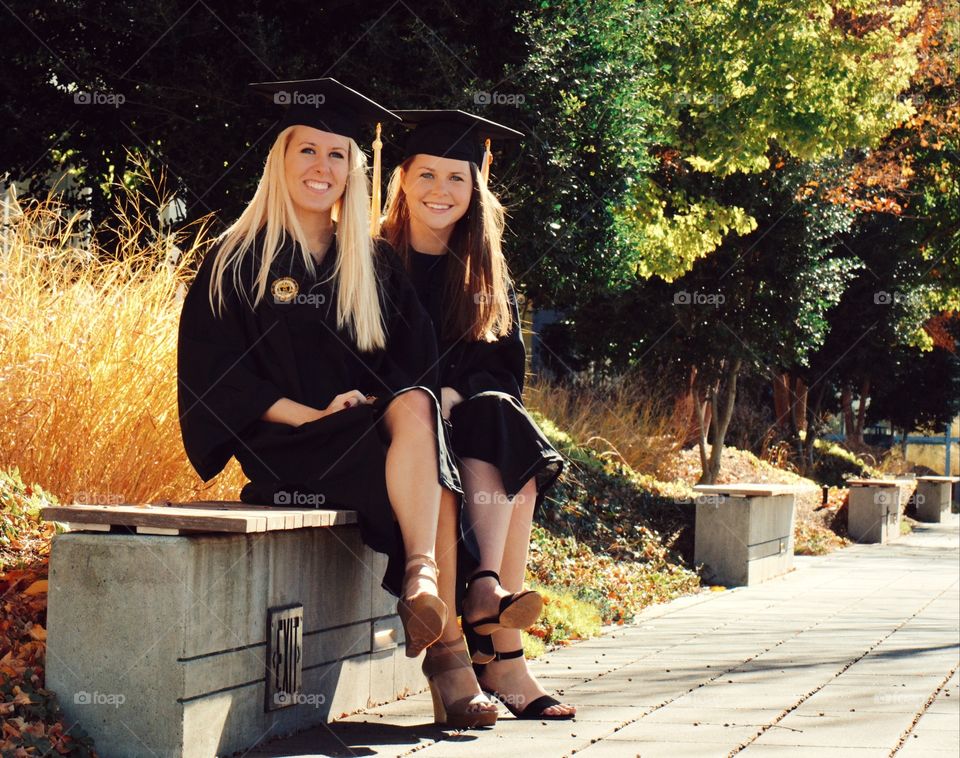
420	559
423	566
509	655
445	656
483	574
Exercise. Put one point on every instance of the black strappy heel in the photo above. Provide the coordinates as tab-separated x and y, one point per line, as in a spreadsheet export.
532	710
517	611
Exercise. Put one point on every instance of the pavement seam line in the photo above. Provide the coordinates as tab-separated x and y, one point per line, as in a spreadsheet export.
923	710
665	703
787	711
733	669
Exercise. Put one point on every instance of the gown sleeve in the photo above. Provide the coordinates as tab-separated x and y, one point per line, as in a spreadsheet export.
411	343
220	392
497	366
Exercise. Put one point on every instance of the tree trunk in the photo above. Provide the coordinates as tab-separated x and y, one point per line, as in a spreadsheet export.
781	401
846	400
800	399
701	408
862	410
813	427
687	413
722	413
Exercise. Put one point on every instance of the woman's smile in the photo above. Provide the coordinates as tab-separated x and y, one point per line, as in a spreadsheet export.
317	186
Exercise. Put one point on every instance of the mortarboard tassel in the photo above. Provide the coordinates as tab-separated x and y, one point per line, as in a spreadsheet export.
375	193
487	160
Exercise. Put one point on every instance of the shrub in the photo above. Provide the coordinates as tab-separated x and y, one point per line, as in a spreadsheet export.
834	464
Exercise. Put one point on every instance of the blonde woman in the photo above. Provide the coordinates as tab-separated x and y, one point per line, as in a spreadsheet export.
304	353
447	226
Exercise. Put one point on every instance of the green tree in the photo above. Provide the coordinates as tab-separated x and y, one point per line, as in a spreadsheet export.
637	106
759	304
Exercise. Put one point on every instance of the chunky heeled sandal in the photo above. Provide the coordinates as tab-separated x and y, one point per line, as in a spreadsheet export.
447	656
532	710
424	615
517	611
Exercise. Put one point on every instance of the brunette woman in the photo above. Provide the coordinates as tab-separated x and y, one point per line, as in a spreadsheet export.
447	226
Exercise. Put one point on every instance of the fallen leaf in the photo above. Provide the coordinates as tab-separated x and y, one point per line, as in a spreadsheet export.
36	588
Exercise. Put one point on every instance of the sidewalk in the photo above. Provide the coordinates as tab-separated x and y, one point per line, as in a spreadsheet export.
853	655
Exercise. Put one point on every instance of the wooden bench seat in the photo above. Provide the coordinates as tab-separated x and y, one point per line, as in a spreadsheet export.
192	518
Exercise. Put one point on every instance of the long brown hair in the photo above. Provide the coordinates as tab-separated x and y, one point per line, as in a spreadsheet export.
477	289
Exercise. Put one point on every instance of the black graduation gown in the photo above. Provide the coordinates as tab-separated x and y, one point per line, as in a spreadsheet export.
491	423
232	369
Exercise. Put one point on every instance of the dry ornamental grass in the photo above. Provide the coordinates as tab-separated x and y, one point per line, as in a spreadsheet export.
88	401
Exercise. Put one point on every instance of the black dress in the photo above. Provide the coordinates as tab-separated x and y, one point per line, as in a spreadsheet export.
491	423
232	369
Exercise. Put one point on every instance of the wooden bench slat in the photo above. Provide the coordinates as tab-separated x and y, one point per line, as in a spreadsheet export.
197	517
753	490
876	482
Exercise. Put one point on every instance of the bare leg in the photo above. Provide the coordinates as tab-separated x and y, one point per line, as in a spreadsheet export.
447	560
460	682
489	515
411	475
512	676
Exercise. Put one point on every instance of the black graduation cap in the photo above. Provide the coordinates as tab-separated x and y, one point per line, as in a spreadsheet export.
452	134
324	104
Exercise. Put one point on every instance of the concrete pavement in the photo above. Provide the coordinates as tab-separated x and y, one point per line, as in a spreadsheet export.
853	655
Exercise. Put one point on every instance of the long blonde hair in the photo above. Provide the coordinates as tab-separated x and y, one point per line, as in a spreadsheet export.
272	210
477	290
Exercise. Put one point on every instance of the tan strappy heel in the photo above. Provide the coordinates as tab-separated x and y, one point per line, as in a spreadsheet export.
447	656
424	615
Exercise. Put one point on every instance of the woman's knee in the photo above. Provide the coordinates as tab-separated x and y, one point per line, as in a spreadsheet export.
412	407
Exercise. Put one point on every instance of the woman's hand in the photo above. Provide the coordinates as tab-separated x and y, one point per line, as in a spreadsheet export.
287	411
347	400
449	397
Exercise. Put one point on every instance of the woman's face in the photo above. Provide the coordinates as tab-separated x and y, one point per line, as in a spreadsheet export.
438	192
316	165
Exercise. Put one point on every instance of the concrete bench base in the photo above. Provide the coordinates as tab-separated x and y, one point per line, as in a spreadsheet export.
157	644
873	514
933	497
744	539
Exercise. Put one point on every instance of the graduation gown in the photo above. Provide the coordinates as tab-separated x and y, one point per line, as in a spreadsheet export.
491	423
232	369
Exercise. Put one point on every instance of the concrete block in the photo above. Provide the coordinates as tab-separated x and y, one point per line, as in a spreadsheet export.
873	514
743	540
157	644
933	498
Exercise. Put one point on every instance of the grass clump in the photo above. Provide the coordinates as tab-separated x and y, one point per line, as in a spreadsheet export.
619	419
611	537
564	617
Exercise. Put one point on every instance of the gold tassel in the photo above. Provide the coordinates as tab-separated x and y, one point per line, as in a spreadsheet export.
375	193
487	160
